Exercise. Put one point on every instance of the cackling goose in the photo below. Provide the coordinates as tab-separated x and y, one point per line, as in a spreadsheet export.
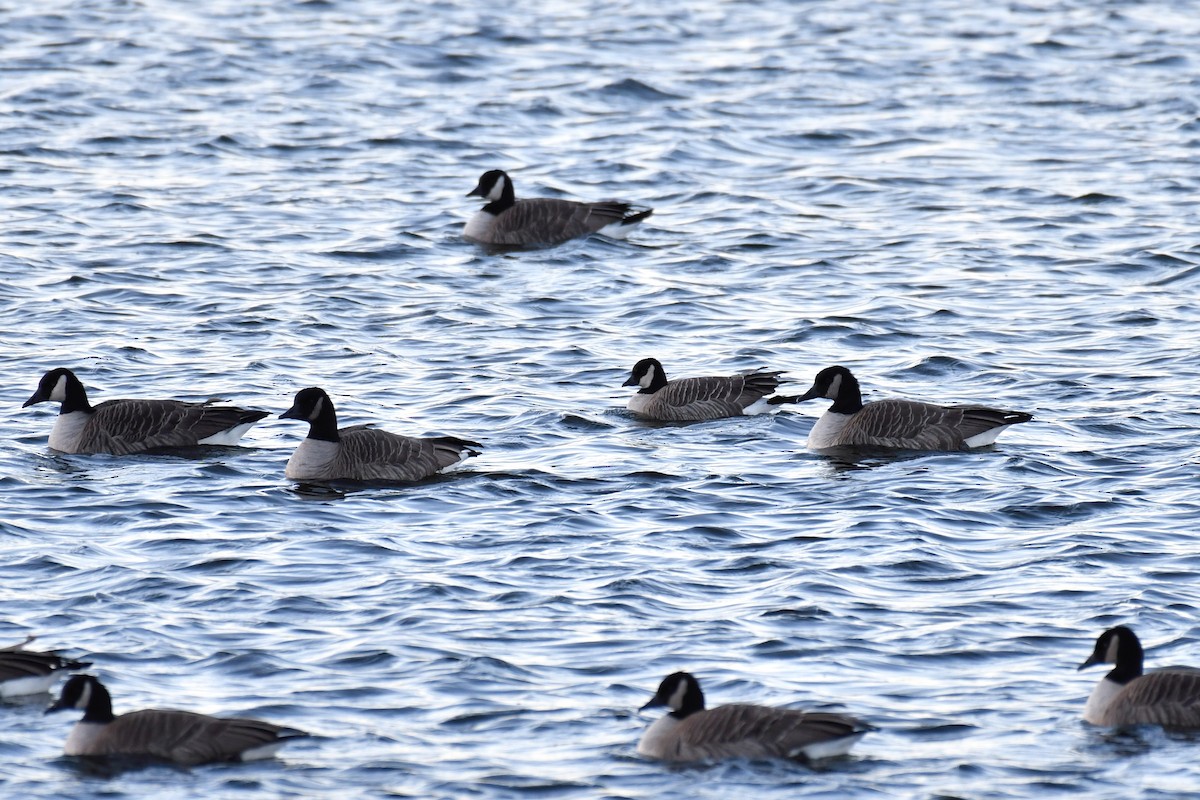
691	733
25	672
715	397
360	453
506	220
183	737
1169	697
904	424
121	427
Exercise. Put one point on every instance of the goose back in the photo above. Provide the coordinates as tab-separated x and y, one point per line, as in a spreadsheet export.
25	672
183	737
751	731
912	425
546	221
1168	697
368	454
121	427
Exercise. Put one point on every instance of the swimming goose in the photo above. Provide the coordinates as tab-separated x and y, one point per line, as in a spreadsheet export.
121	427
904	424
690	733
701	398
183	737
25	672
1169	697
359	453
505	220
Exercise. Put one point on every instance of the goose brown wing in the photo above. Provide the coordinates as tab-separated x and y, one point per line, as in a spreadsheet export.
121	427
25	664
904	424
1168	697
712	397
550	220
758	732
185	737
977	419
367	454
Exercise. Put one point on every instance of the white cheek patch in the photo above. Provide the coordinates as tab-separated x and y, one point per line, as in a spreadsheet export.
59	393
317	408
835	386
1110	657
497	189
647	378
675	702
85	696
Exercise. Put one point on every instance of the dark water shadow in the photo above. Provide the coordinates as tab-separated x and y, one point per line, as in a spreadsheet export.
842	460
109	767
1137	740
341	489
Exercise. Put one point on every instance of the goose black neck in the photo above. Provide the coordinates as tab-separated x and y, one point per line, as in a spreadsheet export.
74	397
849	396
324	427
1129	660
657	382
508	197
693	701
99	707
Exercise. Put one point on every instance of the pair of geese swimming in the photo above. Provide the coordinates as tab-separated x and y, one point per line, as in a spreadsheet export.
688	732
361	453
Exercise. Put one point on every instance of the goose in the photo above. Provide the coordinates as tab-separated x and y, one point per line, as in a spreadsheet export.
902	424
360	453
183	737
691	733
690	399
1125	696
121	427
505	220
24	672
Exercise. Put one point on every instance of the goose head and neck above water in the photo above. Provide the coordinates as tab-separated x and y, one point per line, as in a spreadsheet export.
692	732
122	427
183	737
1127	695
360	453
898	424
312	405
61	386
710	397
508	222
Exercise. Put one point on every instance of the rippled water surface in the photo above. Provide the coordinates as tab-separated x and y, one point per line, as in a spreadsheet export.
960	201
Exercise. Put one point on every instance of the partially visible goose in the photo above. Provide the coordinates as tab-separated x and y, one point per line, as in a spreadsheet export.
183	737
691	733
121	427
359	453
1125	696
904	424
25	672
713	397
505	220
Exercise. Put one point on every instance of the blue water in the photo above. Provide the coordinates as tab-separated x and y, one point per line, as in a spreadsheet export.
961	202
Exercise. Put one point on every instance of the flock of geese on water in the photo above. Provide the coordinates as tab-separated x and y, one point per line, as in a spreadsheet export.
689	731
1126	696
